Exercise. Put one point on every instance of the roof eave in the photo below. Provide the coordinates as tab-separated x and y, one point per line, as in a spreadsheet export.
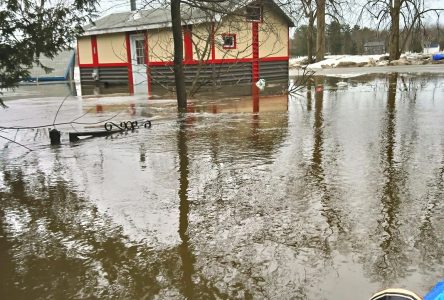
286	15
89	32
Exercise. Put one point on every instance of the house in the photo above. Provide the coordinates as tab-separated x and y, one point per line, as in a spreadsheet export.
374	48
133	51
431	48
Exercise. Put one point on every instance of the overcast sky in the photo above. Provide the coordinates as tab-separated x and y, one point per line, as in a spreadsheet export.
111	6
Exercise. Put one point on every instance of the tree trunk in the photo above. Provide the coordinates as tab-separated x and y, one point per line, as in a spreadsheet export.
394	31
320	37
310	31
179	77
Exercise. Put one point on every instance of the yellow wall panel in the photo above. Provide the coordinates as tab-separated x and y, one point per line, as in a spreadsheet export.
201	36
160	45
244	38
111	48
273	35
85	50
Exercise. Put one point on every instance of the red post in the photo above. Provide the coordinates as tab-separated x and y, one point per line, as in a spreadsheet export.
255	67
188	44
255	52
255	97
95	54
213	44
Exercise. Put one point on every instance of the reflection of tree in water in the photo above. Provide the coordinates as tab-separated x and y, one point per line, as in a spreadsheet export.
233	141
317	173
55	243
59	245
184	209
232	197
194	285
392	263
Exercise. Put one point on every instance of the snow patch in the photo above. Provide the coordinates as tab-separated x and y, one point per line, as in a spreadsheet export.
345	61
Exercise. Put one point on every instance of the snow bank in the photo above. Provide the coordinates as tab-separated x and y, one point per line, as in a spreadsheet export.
345	61
339	61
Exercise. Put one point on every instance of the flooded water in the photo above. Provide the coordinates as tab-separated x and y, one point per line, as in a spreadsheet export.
334	193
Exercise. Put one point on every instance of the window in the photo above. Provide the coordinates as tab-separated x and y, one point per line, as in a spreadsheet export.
140	52
254	13
229	41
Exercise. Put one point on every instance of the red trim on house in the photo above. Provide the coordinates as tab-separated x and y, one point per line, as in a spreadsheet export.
103	65
221	61
194	62
95	54
130	67
148	73
255	39
161	63
188	43
280	58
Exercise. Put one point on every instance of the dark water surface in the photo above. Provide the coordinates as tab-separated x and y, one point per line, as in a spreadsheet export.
333	194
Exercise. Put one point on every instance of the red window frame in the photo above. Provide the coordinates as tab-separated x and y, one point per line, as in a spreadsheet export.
233	35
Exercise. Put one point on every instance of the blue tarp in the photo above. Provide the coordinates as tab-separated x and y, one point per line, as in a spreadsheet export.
438	56
437	293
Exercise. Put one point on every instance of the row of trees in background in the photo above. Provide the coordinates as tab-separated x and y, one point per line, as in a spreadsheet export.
399	24
344	39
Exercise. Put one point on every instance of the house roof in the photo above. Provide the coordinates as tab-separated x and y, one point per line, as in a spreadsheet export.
374	44
137	20
60	65
161	17
431	45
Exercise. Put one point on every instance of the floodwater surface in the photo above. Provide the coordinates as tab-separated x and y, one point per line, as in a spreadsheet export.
334	193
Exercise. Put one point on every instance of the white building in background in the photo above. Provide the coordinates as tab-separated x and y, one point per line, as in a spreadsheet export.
431	48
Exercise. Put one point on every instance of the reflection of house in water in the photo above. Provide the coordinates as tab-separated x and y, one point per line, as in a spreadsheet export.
205	104
246	104
132	52
374	48
390	261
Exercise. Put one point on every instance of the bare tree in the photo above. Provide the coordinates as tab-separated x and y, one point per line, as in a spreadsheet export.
309	13
397	14
316	10
176	24
320	24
